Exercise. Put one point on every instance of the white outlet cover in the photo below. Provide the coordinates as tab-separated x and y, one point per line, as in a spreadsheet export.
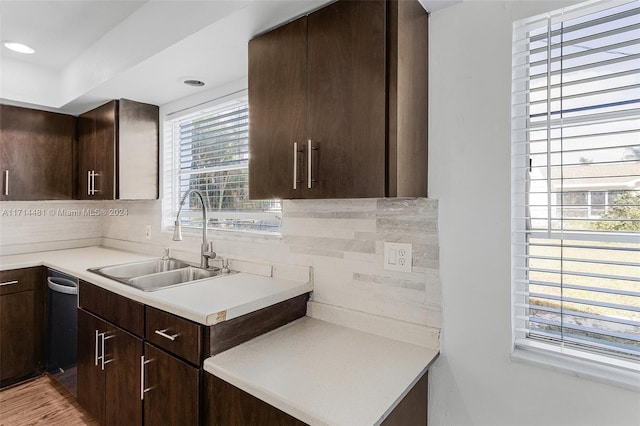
397	257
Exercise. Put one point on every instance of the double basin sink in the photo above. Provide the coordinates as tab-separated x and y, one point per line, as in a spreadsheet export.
151	275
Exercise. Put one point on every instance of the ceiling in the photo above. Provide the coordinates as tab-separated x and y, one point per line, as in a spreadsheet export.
88	51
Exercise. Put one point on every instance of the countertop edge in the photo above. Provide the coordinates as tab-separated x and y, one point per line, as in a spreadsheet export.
48	260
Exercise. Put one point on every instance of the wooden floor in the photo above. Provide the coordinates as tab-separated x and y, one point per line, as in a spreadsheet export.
41	402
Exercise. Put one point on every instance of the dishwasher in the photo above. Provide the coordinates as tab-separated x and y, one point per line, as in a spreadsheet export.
62	328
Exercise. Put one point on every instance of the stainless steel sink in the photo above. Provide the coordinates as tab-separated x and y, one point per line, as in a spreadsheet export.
171	278
155	274
126	271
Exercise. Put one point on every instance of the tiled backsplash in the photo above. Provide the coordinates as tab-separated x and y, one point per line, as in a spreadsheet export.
48	225
343	240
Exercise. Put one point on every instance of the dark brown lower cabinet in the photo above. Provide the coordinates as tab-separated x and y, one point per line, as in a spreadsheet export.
108	371
225	404
22	324
172	389
138	365
412	409
17	356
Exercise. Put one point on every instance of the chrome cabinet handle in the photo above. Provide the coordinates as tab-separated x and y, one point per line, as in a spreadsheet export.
102	357
6	182
310	179
295	165
143	390
97	358
9	283
93	182
163	333
309	164
296	151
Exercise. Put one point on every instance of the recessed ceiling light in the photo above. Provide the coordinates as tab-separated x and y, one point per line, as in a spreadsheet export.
18	47
195	83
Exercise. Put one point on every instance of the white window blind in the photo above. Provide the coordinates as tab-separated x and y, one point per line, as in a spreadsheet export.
576	182
208	150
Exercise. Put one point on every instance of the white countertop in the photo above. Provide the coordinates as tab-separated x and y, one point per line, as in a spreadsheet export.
206	302
324	374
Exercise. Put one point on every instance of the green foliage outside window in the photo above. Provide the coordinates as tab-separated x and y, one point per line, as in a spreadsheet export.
625	214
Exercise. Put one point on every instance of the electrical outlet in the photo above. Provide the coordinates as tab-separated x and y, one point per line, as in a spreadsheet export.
147	232
397	257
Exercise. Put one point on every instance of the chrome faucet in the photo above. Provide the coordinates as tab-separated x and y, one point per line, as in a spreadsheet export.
206	250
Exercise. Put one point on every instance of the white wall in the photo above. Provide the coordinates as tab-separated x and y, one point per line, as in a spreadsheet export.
474	381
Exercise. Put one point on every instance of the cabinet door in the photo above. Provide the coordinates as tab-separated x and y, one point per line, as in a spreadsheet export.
96	153
22	320
17	323
36	154
174	389
86	155
123	353
137	151
225	404
105	151
346	97
90	375
277	93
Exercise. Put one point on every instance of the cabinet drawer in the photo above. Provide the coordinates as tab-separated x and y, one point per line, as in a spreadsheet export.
123	312
174	334
18	280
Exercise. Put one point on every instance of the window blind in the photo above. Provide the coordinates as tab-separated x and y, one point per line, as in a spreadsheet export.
210	153
576	181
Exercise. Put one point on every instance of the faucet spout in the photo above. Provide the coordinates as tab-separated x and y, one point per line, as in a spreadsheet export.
206	249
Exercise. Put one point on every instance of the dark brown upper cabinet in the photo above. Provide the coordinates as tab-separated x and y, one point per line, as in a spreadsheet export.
338	104
36	154
118	152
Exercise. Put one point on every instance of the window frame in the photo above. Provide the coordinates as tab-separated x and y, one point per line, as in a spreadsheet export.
587	363
171	176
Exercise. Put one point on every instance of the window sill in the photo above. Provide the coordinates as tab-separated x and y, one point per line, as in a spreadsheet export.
624	376
227	233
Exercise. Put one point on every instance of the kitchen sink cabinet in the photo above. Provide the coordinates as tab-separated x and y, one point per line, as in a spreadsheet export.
110	345
22	324
172	389
172	378
36	154
140	365
120	377
338	104
118	152
108	371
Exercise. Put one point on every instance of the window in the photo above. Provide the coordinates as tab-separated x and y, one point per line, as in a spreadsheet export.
208	150
576	183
